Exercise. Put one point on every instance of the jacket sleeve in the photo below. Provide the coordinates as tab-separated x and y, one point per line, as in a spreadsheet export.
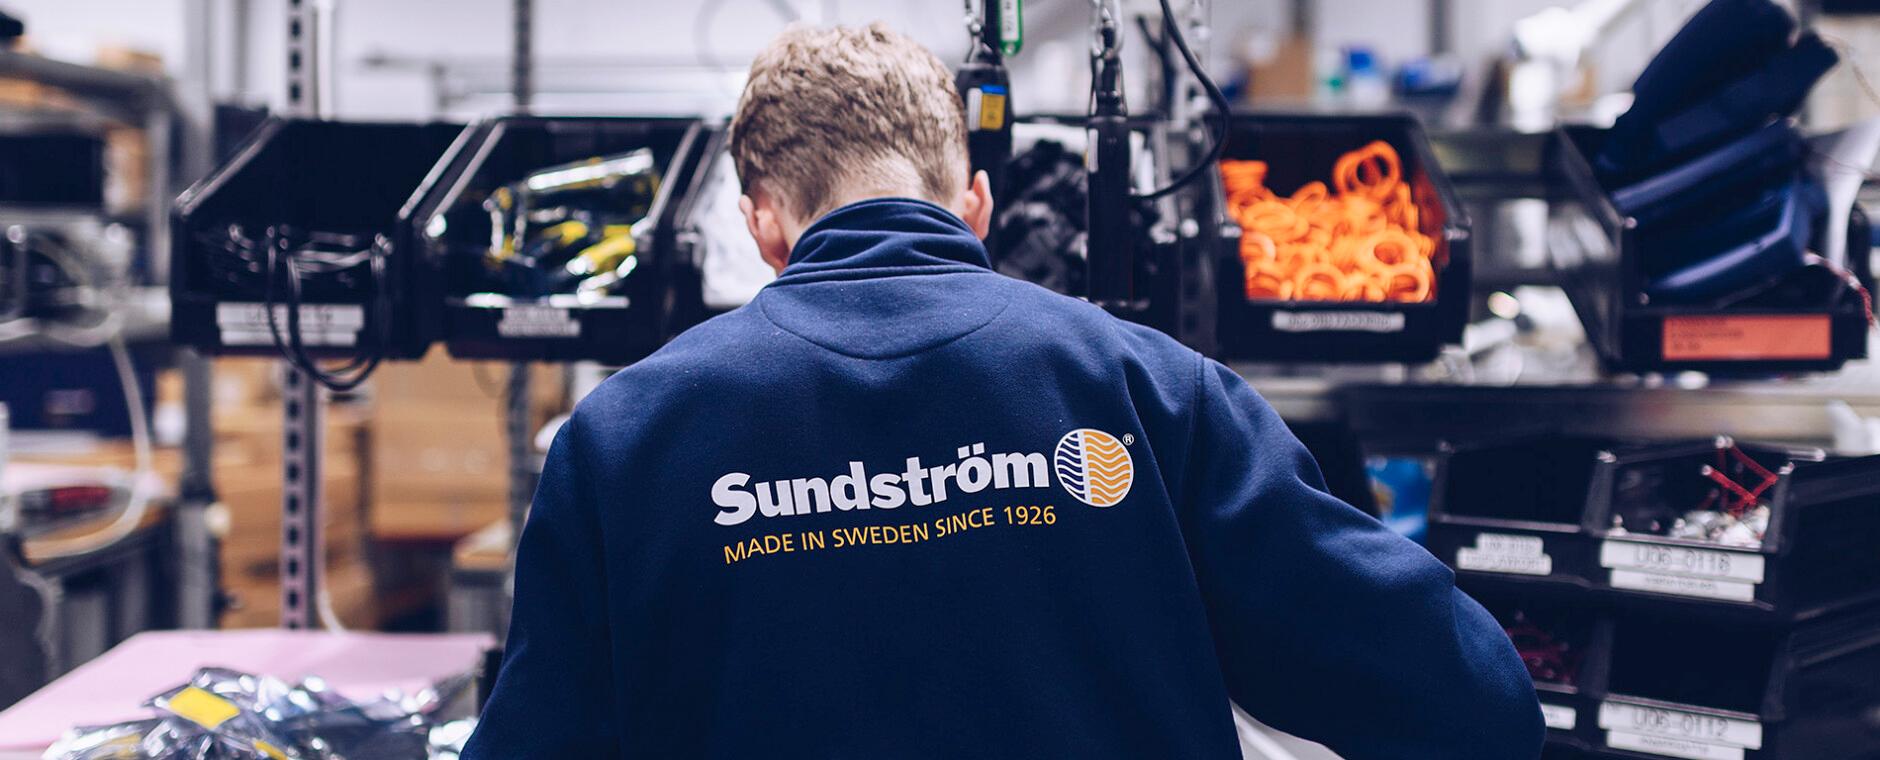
553	698
1327	625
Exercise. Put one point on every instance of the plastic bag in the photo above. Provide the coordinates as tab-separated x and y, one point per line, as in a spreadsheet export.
222	714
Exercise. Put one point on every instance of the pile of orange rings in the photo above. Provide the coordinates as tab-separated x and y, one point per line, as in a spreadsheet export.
1357	240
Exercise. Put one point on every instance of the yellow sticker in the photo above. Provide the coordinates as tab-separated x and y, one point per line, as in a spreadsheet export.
202	708
992	111
270	750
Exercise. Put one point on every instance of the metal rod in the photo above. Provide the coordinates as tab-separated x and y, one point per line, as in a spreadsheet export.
303	418
302	94
157	146
1304	17
197	584
522	55
238	50
1441	11
516	428
303	542
1110	261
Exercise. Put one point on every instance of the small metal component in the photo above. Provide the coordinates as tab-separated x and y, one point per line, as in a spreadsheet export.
1758	520
1682	529
1739	534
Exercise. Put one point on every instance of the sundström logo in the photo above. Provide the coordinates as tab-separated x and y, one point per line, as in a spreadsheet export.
1094	467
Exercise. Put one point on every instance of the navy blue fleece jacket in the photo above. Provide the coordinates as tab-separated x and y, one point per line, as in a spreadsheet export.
900	506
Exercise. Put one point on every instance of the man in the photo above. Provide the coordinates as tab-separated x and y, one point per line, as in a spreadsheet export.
901	506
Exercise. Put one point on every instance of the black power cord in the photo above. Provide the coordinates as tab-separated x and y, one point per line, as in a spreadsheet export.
1222	108
284	263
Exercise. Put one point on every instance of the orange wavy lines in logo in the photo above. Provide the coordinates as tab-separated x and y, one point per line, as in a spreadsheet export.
1094	467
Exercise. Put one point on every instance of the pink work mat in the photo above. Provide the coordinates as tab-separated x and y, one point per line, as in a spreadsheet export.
112	687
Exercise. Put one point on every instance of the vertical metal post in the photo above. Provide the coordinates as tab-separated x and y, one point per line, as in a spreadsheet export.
516	424
1304	17
302	87
522	55
303	541
238	50
1441	13
303	415
516	416
1110	253
157	124
197	581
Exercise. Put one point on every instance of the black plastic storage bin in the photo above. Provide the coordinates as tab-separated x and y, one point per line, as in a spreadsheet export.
1599	254
686	277
1675	686
1516	511
1560	643
1173	288
1302	148
1655	683
1816	555
52	165
304	179
448	223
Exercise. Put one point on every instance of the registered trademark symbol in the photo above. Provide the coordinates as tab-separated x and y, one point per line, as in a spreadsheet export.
1129	438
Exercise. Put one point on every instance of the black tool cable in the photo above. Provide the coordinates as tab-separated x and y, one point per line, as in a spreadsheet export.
284	264
1222	108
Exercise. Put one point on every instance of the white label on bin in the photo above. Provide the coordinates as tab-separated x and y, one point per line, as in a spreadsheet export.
1682	560
1510	544
538	322
1559	717
1671	746
1684	585
1696	729
1338	321
1505	553
246	324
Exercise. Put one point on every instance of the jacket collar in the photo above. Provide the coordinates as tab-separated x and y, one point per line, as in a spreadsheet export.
882	237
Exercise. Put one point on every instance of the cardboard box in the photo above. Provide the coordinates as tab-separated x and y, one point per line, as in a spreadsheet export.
440	461
247	473
133	60
439	452
348	584
439	379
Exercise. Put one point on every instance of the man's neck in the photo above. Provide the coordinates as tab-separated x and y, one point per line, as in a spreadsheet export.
793	229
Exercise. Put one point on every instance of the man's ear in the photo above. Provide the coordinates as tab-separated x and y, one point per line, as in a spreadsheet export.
974	204
767	230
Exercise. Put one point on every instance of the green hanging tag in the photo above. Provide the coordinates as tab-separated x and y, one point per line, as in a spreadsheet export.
1011	27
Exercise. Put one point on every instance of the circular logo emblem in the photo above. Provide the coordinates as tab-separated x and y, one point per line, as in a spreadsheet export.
1094	467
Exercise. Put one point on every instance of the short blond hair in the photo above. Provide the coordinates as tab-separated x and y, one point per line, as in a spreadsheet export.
843	108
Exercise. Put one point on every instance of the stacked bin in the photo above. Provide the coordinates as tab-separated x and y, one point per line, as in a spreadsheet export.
1600	254
1301	148
448	223
310	177
1645	645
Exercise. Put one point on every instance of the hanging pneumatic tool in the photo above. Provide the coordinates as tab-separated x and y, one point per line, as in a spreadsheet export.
1110	246
998	30
1110	253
